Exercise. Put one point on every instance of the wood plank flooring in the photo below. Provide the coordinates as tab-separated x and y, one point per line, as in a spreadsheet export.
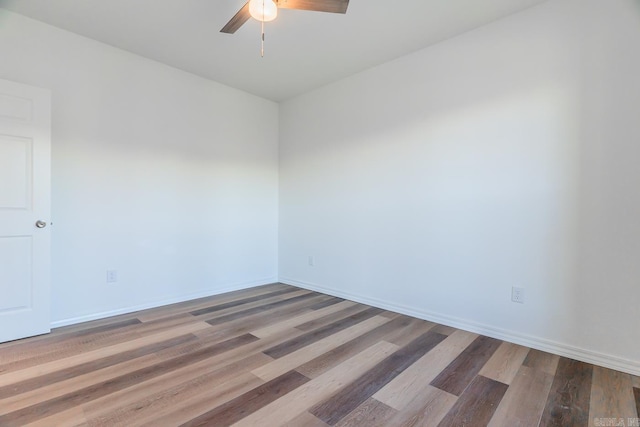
277	355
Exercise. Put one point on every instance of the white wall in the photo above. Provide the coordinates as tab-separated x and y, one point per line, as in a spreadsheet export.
155	174
504	157
431	185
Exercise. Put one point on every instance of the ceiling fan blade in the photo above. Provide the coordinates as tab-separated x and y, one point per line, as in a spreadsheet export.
333	6
237	21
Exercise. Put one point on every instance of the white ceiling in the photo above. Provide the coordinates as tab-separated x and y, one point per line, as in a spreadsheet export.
304	50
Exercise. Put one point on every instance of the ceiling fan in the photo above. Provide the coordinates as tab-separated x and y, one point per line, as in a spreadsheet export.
267	10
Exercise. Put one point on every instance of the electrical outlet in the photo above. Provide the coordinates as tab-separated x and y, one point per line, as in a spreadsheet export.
517	295
312	261
112	276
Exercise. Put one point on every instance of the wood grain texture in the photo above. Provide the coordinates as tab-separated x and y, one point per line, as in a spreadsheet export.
413	330
371	413
425	409
209	399
279	366
238	408
505	362
320	388
50	391
444	330
70	417
242	325
206	362
44	344
242	314
305	419
542	361
163	312
69	346
338	406
334	357
524	401
570	394
87	394
477	404
611	395
91	366
239	302
328	302
304	340
417	377
331	317
91	355
458	375
312	315
191	384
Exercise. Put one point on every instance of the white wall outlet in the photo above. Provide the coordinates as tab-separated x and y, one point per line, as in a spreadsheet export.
517	295
312	261
112	276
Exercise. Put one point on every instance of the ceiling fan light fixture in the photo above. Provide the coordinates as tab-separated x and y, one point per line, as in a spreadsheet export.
263	10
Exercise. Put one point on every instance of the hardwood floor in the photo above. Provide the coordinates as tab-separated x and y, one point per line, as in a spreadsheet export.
279	355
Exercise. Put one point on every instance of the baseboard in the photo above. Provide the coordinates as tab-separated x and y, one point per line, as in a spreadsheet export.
605	360
160	303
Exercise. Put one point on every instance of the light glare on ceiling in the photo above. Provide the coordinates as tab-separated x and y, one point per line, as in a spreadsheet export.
263	10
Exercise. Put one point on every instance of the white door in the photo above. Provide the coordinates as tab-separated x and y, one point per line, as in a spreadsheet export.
25	230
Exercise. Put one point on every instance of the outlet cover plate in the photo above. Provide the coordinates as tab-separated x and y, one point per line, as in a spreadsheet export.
112	276
517	295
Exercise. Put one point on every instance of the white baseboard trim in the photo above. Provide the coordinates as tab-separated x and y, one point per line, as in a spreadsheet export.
605	360
168	301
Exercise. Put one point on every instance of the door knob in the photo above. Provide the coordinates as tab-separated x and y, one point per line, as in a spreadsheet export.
41	224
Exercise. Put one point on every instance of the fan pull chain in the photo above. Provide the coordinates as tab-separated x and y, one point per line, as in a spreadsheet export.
262	38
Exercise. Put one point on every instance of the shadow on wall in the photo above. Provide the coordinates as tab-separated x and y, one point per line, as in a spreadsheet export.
477	200
506	157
